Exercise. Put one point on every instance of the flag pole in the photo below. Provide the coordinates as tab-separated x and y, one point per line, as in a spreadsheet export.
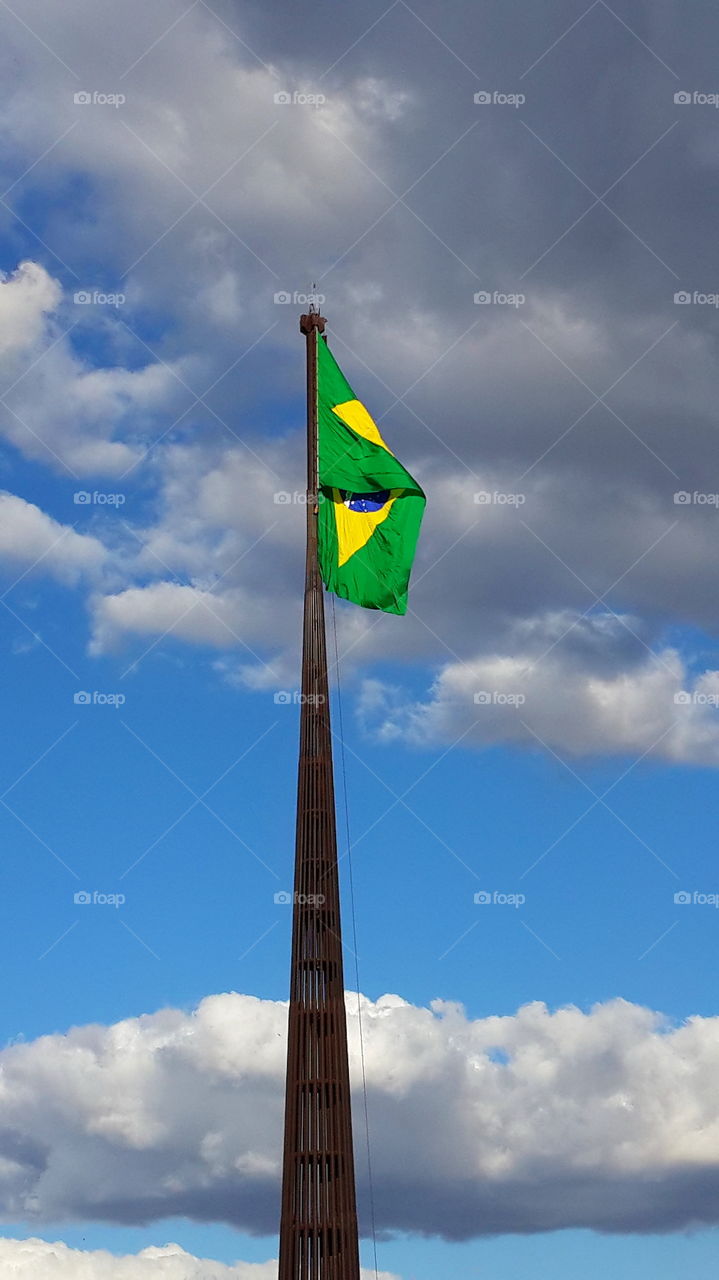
319	1237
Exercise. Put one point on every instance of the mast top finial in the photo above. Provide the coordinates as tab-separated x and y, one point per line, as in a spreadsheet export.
313	320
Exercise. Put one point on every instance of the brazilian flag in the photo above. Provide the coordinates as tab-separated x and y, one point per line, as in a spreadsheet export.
370	508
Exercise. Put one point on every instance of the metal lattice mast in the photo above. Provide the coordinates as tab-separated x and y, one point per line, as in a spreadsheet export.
318	1231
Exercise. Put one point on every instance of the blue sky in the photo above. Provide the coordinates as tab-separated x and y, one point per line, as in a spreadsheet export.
577	586
121	776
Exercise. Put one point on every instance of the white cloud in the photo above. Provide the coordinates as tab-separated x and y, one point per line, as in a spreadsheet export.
58	407
236	552
35	1259
535	1121
534	698
42	1260
399	296
162	608
29	539
599	683
222	133
230	619
27	298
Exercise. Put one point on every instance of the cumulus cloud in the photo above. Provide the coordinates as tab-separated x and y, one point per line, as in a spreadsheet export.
574	703
27	298
163	608
215	171
529	1122
31	539
226	532
41	1260
220	508
60	408
500	398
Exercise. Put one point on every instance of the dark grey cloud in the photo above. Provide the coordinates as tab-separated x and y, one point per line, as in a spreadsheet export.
525	1123
595	398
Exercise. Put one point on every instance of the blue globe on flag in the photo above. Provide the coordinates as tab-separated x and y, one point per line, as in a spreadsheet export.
365	502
